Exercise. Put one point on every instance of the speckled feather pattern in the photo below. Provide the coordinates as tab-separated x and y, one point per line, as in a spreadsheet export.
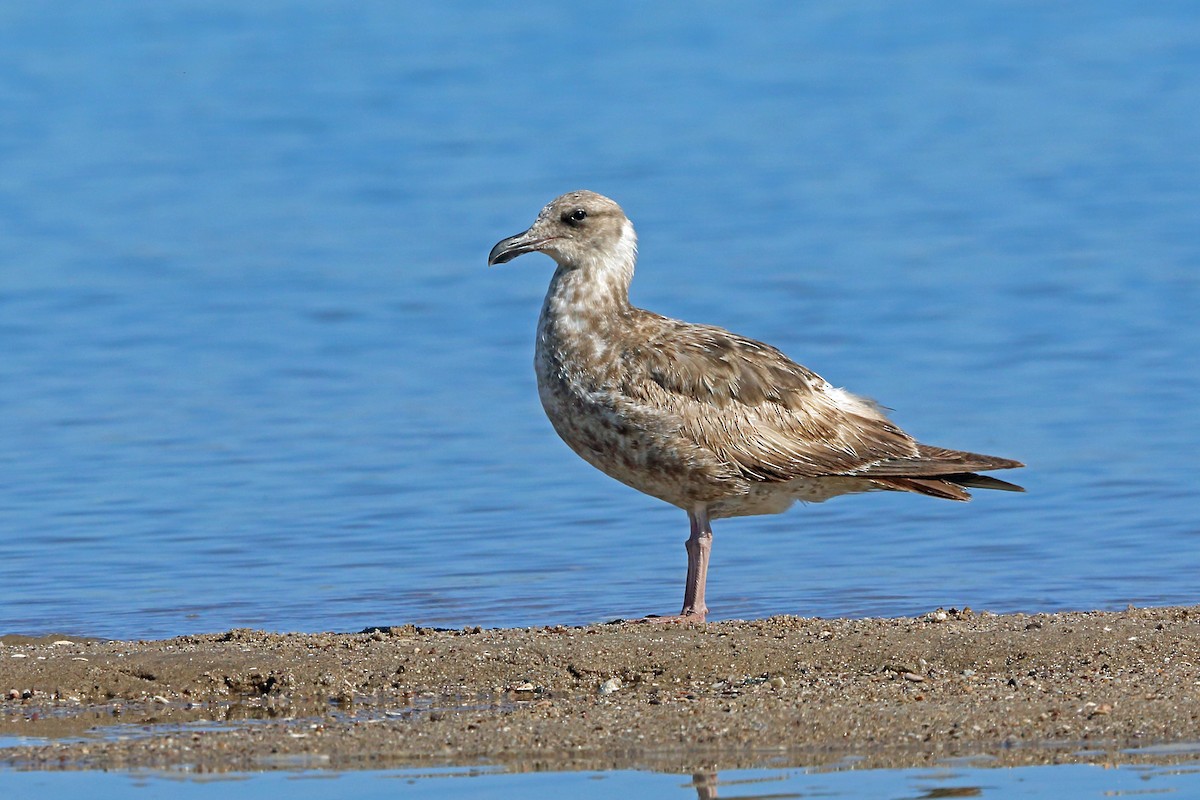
696	415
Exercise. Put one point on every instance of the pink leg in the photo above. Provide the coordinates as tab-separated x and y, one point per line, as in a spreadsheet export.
698	545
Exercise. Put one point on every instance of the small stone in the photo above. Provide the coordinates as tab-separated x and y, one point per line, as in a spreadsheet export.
778	682
914	677
611	685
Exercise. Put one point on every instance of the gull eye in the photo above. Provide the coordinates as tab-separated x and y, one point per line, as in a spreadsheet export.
574	217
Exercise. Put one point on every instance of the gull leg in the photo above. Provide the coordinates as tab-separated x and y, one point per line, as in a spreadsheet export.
698	545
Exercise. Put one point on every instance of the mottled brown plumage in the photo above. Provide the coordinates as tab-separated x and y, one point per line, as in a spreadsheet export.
712	422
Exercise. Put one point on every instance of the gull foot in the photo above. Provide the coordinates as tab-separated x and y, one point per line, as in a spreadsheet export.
690	618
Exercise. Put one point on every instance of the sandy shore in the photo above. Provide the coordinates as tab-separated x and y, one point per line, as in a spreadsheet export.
777	692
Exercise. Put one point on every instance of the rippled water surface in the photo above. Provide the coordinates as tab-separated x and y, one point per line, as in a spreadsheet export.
254	371
1051	783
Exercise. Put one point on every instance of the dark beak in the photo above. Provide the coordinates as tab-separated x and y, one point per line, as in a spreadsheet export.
508	249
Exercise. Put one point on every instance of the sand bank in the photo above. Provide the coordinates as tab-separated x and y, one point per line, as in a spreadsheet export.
775	692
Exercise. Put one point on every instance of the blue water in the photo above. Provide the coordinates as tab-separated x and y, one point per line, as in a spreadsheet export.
254	371
1051	783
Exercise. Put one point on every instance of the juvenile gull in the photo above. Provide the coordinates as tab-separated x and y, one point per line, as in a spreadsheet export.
712	422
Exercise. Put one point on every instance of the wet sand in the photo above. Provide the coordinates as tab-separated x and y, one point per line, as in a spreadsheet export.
777	692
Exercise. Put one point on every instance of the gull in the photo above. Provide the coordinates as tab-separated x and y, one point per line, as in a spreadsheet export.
712	422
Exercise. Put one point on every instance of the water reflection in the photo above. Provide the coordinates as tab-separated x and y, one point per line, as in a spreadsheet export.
708	785
305	779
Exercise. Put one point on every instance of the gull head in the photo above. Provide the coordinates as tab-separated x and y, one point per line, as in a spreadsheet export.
576	230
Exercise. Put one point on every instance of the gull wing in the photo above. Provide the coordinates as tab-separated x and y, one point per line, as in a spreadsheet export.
755	408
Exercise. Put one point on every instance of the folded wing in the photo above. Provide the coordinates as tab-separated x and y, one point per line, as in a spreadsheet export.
774	420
